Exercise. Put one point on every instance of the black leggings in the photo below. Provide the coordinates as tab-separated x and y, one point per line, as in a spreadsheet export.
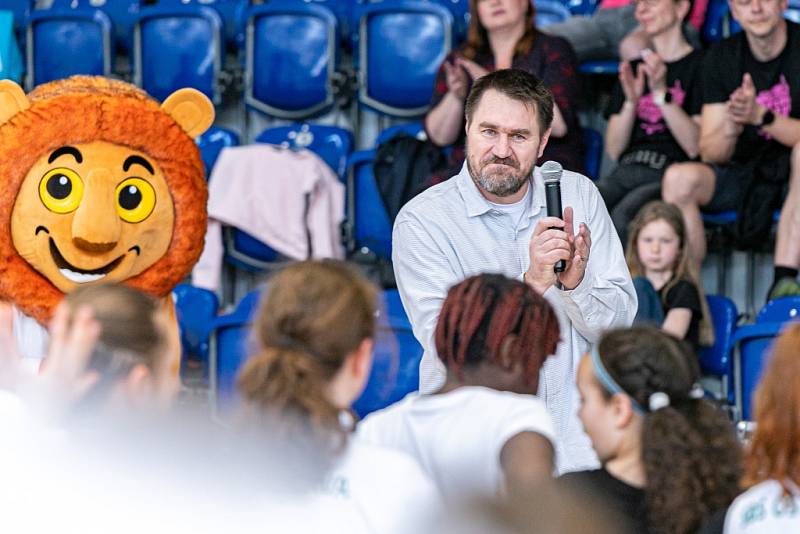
625	190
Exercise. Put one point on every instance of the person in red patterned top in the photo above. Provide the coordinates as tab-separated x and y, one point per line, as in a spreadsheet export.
502	34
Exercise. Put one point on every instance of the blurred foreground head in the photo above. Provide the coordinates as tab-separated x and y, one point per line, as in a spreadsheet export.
132	355
314	330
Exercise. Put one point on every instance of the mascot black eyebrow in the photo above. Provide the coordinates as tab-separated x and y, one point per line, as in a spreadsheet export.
98	182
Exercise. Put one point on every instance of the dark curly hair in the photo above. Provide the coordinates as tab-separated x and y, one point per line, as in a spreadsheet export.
480	313
691	456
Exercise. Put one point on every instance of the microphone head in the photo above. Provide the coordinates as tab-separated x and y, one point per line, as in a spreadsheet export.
551	171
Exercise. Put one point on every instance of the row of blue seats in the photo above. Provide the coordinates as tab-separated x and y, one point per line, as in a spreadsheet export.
222	343
738	356
367	228
292	67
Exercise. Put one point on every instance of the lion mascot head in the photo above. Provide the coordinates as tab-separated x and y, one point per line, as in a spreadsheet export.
98	182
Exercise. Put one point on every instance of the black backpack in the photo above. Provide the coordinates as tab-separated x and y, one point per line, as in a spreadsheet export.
402	168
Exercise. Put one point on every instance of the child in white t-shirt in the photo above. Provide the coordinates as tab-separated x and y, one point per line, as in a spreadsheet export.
314	330
484	431
772	465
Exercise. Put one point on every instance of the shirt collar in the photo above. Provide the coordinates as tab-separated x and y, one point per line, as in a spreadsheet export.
477	204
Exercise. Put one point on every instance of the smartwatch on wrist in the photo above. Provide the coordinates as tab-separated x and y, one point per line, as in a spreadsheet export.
767	119
659	99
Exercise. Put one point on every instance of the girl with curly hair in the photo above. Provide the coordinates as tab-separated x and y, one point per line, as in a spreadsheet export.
670	459
772	465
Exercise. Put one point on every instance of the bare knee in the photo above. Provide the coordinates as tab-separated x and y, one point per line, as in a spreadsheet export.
681	184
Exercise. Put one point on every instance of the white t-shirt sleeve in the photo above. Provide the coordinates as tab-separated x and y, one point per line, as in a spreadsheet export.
526	414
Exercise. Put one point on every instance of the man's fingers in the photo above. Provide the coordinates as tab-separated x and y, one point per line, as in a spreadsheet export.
569	217
546	223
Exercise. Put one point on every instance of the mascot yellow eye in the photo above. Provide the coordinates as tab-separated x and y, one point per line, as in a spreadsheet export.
136	199
61	190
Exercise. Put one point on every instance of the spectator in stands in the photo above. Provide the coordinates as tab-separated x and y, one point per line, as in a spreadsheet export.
612	32
314	331
749	139
491	217
772	465
670	458
494	335
654	112
669	292
503	34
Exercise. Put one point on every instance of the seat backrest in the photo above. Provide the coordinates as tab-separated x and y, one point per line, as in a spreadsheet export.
372	229
396	357
754	353
593	157
780	310
582	7
332	144
793	11
290	59
717	359
211	144
178	47
550	12
196	309
19	8
123	15
412	128
65	42
401	44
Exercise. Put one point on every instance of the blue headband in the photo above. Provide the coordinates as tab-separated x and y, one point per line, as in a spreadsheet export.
608	383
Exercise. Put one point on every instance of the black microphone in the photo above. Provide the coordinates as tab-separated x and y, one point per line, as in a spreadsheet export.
551	174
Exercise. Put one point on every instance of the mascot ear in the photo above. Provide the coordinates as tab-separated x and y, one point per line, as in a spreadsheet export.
12	100
191	109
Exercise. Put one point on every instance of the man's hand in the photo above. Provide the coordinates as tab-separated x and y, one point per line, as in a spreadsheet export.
549	244
580	246
742	106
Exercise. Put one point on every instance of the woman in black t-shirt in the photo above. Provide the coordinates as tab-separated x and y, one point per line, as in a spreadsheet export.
653	113
670	458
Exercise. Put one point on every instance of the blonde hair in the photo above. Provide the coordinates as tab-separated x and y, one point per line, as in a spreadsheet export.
682	270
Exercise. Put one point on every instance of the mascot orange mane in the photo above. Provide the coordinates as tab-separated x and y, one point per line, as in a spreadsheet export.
98	182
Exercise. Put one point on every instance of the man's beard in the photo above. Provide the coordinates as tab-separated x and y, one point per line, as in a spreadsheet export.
500	185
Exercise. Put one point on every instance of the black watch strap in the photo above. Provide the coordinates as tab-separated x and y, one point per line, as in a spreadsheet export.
767	119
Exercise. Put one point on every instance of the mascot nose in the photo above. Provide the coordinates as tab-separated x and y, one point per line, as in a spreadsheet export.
96	226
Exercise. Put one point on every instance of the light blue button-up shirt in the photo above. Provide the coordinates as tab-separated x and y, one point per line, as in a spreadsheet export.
451	232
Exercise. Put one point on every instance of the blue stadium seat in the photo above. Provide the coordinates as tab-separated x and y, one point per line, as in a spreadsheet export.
332	144
20	9
396	357
175	47
230	348
291	59
371	229
582	7
550	12
211	144
460	11
123	15
593	158
401	44
196	309
11	62
793	11
61	42
717	360
232	13
412	128
599	67
754	340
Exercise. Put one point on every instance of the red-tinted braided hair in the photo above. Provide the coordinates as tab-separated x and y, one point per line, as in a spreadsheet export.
481	312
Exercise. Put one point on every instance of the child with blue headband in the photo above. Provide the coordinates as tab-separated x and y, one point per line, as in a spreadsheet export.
670	459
